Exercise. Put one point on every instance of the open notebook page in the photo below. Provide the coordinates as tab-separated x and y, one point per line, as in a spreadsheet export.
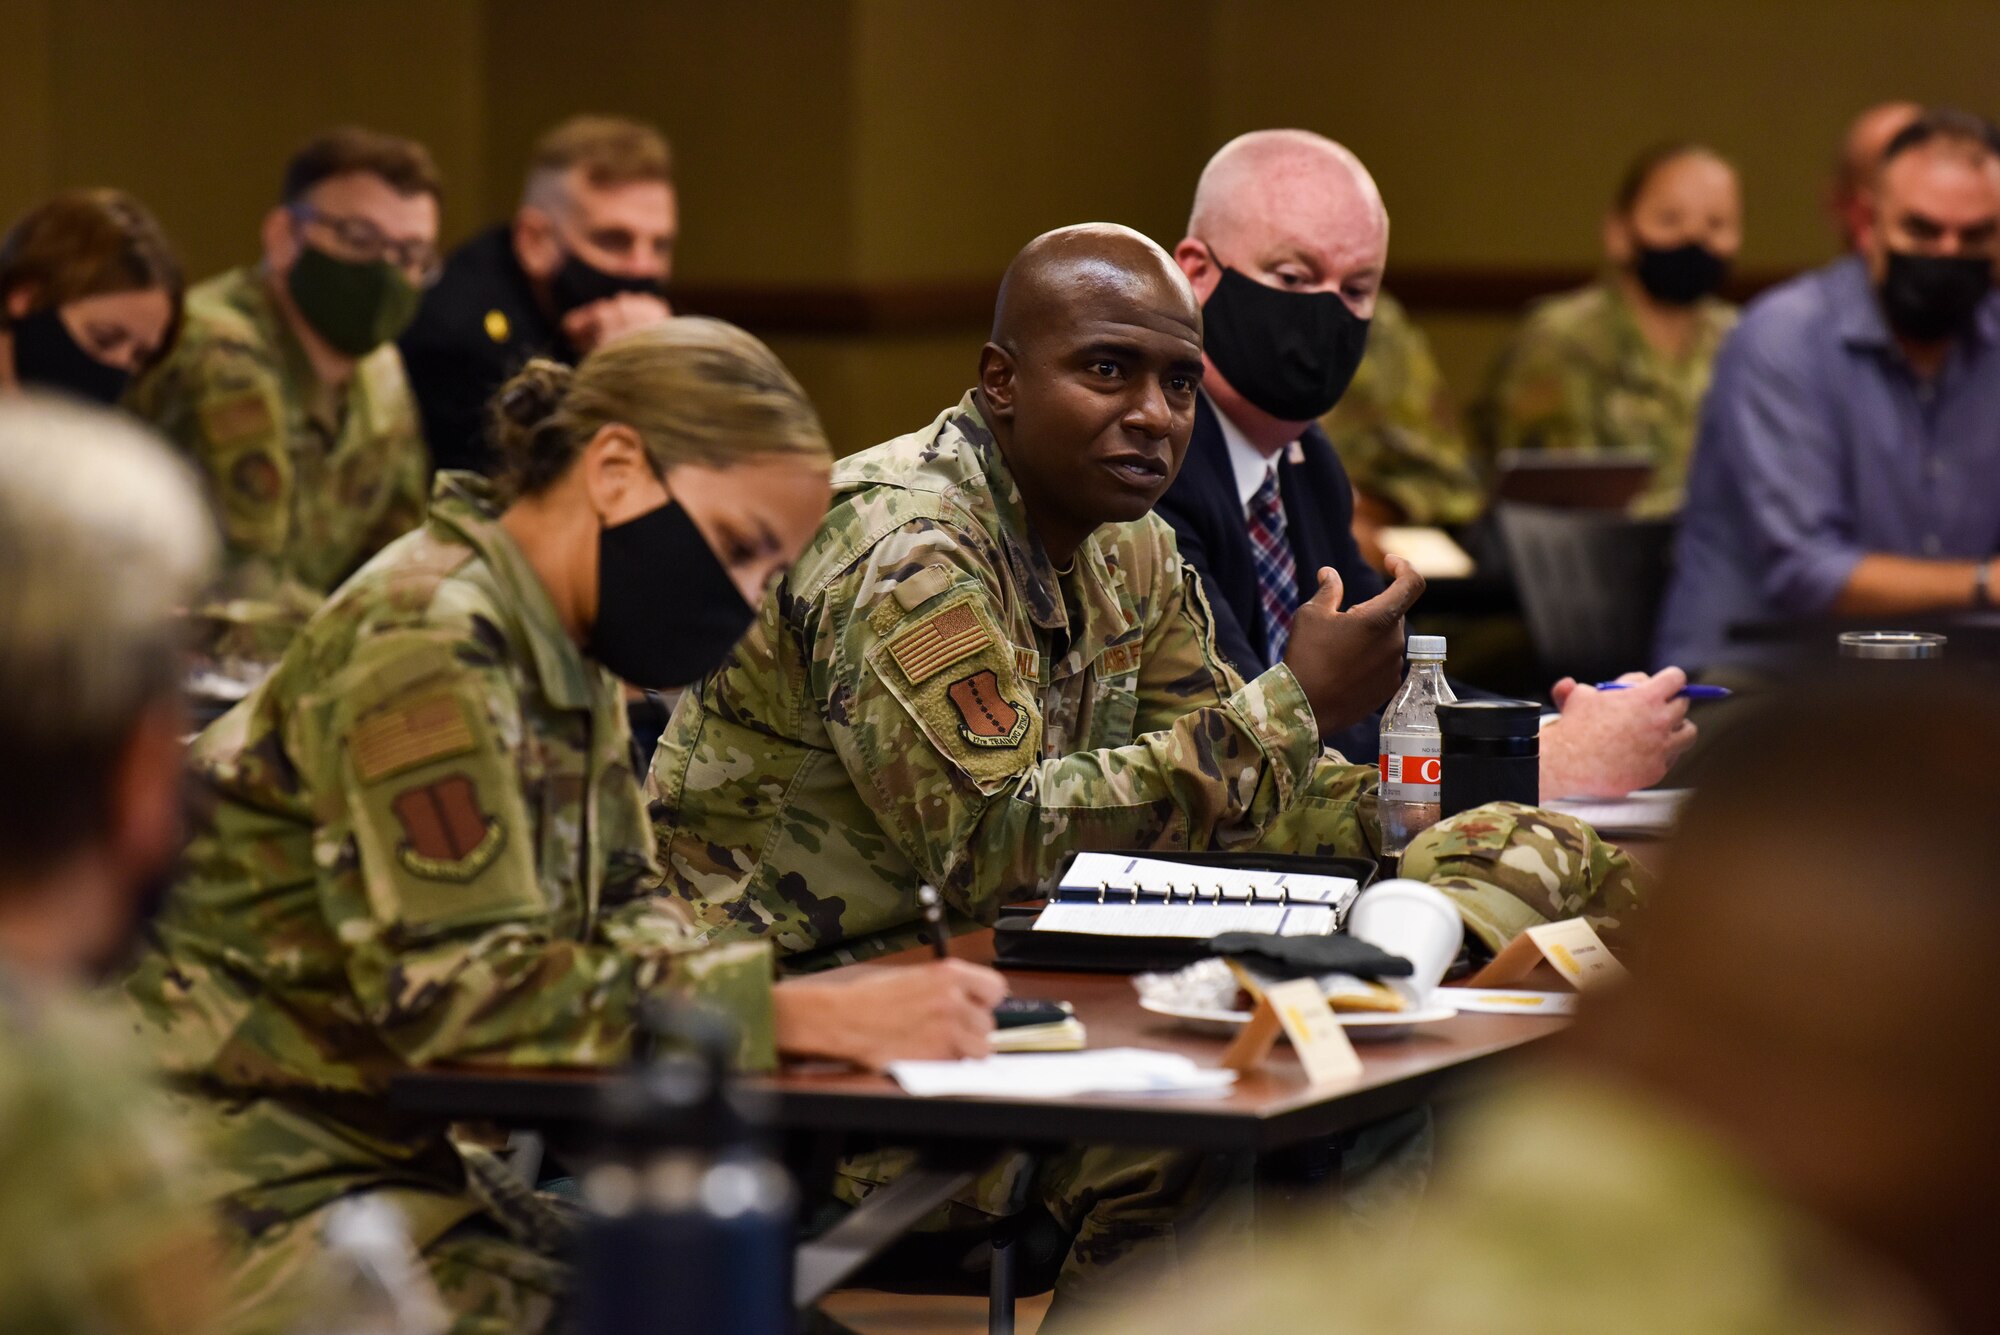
1115	894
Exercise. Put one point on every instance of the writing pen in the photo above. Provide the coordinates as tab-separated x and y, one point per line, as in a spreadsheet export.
927	896
1686	693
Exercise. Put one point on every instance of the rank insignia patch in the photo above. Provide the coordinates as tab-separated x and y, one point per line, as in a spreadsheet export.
446	836
986	717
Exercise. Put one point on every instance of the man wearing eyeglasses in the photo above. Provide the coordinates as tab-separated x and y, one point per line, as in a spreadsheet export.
286	388
585	258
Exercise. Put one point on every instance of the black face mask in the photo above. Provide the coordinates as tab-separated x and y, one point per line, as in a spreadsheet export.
1290	353
579	283
1931	297
1680	276
46	355
659	643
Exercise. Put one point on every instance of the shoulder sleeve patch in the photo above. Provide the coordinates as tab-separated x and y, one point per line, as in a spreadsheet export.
240	415
447	835
935	643
415	734
986	717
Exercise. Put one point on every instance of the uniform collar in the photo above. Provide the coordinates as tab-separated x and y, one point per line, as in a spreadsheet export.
1250	466
468	507
1090	580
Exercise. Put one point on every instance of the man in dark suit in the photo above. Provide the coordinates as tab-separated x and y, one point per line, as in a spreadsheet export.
1208	514
1287	243
585	258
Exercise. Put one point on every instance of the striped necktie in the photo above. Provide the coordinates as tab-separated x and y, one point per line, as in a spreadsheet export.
1277	573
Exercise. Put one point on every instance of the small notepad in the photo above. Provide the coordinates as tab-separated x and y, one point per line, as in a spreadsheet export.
1114	894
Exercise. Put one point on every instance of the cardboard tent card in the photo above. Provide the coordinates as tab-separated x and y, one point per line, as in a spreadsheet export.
1570	947
1295	1009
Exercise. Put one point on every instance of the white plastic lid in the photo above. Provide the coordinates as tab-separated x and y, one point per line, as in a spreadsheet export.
1427	646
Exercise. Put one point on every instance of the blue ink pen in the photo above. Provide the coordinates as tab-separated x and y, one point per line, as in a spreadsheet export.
1686	693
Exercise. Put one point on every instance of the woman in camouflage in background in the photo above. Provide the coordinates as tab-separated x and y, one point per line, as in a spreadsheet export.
1622	365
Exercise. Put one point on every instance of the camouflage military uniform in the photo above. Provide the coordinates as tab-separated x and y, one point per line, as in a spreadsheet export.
1396	429
427	845
100	1226
926	699
1574	1207
1580	376
308	482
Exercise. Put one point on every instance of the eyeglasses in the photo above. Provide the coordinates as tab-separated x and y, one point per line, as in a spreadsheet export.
364	241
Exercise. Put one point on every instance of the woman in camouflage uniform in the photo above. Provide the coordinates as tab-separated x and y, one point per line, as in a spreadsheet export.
1622	365
426	841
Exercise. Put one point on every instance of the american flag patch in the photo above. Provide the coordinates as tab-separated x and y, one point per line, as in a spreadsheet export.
926	650
418	733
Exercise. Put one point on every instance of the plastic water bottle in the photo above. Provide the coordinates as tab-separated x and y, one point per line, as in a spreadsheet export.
1412	747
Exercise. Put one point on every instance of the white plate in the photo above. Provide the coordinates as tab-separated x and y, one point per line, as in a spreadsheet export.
1369	1026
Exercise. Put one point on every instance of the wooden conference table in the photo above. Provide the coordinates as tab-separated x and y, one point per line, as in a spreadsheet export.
1266	1111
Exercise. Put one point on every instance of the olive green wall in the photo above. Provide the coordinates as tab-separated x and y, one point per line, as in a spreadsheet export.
885	143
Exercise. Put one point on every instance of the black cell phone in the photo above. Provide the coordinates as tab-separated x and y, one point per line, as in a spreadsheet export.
1020	1012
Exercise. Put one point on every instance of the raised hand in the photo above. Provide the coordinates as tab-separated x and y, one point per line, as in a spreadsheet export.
1351	662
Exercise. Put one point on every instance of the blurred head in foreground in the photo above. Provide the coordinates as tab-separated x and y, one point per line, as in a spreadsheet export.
1814	987
103	537
1783	1121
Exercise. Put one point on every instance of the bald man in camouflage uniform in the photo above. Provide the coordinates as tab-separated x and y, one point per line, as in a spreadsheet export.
426	845
1396	431
929	696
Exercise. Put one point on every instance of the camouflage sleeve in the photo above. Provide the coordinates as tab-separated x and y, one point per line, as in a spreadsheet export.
225	407
102	1216
427	857
1540	394
1396	429
927	712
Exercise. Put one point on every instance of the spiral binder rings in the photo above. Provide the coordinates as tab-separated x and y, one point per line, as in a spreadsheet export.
1129	913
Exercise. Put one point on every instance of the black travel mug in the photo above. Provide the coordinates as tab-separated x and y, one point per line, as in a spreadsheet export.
1492	753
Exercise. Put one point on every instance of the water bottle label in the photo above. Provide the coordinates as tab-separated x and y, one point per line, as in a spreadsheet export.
1411	768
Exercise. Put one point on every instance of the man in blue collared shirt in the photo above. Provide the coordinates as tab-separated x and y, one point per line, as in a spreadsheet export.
1848	462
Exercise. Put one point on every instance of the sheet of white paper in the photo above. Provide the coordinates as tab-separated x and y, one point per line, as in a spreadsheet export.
1209	886
1651	811
1198	923
1058	1075
1506	1001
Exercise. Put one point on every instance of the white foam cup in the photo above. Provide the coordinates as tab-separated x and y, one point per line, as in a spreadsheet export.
1414	920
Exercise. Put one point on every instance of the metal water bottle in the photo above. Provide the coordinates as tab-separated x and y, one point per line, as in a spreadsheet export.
692	1222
